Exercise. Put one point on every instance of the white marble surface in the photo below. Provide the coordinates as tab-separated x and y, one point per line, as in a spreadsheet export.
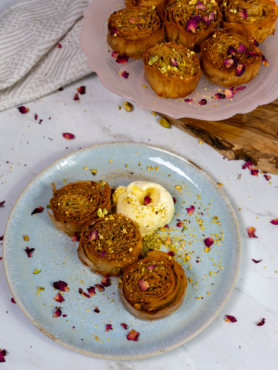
27	147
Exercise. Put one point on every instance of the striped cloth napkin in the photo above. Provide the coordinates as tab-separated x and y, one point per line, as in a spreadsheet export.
39	49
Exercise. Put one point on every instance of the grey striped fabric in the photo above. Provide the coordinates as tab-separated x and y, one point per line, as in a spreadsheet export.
31	64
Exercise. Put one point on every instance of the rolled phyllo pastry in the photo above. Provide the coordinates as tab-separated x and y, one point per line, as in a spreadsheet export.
78	202
189	22
158	5
108	245
229	59
131	31
172	70
154	287
258	17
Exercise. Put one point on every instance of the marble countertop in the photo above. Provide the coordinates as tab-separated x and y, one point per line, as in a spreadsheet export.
27	147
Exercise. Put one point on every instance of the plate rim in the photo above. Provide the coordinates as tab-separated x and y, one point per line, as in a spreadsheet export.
117	143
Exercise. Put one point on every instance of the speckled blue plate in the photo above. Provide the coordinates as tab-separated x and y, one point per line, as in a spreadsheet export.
83	330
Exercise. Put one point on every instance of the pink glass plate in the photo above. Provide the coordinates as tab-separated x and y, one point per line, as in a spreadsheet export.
263	89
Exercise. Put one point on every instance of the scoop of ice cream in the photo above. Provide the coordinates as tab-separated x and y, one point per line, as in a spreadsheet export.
147	203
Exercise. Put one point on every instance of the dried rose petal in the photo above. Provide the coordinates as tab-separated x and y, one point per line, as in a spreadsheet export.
196	18
219	96
200	6
188	100
93	235
241	48
171	254
106	281
91	290
255	42
208	242
256	261
228	62
59	46
229	94
2	237
231	51
267	177
68	136
206	20
139	26
114	54
36	116
202	102
180	224
240	70
190	210
132	21
61	89
76	97
64	315
124	325
251	54
173	61
23	110
133	335
83	293
102	254
167	226
243	13
255	173
59	298
100	287
211	16
124	74
108	327
265	61
144	285
251	232
122	59
274	221
58	312
29	251
147	200
174	200
191	25
81	90
96	310
248	165
2	203
151	267
37	210
261	323
61	285
3	353
13	301
239	88
76	237
230	318
114	30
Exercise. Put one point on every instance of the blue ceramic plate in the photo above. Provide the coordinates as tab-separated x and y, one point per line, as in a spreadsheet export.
212	275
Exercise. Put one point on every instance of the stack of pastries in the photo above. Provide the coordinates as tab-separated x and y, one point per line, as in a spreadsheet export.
230	55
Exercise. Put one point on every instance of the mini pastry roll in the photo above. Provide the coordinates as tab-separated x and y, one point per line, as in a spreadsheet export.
154	287
78	202
158	5
229	59
108	245
189	22
258	17
131	31
172	70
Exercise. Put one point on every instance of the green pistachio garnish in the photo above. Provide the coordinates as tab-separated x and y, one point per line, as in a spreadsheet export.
153	60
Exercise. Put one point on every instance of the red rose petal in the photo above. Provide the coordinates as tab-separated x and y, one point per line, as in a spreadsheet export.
147	200
23	110
37	210
255	173
208	242
122	59
261	323
196	18
36	117
243	14
59	298
133	335
274	221
251	54
2	203
174	200
1	258
219	96
83	293
190	210
68	136
179	224
100	287
58	312
3	353
188	100
256	261
114	30
171	253
106	281
76	97
241	48
13	301
248	165
124	74
91	290
64	315
96	310
59	46
2	237
144	285
255	42
251	232
265	61
108	327
76	237
202	102
230	318
167	226
239	88
61	89
124	325
200	6
29	251
191	25
228	62
231	51
114	54
81	90
267	177
240	70
93	235
61	285
151	267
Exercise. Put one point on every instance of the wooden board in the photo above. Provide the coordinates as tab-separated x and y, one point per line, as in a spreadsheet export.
251	136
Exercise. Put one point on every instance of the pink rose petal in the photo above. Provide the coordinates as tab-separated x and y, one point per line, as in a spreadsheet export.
211	16
61	285
2	203
251	54
58	312
108	327
133	335
171	253
230	318
102	254
37	210
248	165
196	18
274	221
190	210
202	102
200	6
239	88
106	281
208	242
228	62
241	48
256	261
243	14
76	97
114	31
83	293
267	177
151	267
261	323
13	301
29	251
91	290
206	20
81	90
124	74
144	285
188	100
96	310
59	298
251	232
132	21
255	42
124	325
114	54
68	136
173	61
265	61
76	237
147	200
122	59
139	26
231	51
219	96
240	70
93	235
255	173
23	110
229	94
100	287
191	25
